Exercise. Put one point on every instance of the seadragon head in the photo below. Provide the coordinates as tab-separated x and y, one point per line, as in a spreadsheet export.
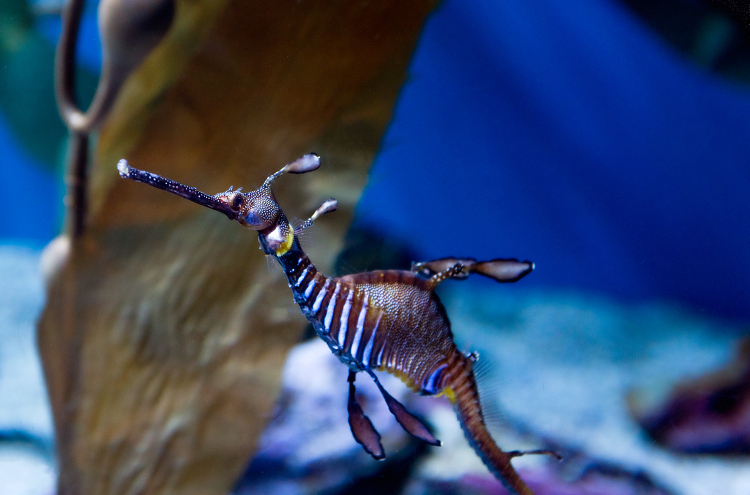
257	209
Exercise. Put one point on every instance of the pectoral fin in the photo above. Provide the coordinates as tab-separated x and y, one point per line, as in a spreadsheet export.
407	420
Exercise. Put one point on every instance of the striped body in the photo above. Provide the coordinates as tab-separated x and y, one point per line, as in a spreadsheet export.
392	321
377	320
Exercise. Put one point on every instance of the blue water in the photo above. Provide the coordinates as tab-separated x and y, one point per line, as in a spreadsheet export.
30	195
568	134
574	137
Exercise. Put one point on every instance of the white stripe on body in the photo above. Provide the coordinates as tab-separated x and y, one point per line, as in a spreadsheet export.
302	276
379	359
370	343
344	322
321	296
331	308
360	327
308	292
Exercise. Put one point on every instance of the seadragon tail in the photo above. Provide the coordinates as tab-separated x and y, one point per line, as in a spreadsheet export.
463	394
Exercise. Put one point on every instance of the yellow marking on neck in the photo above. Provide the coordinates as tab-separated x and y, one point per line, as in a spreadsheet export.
287	244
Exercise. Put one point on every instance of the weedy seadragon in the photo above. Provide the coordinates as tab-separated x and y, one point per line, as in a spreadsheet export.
384	320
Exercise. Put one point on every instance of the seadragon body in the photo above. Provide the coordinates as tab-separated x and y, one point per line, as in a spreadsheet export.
385	320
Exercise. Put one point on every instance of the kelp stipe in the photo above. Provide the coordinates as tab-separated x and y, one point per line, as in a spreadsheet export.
385	320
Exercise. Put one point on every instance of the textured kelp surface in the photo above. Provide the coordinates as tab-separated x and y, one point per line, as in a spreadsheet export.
165	332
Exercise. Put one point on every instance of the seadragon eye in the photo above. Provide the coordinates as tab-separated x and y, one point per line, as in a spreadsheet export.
261	213
237	201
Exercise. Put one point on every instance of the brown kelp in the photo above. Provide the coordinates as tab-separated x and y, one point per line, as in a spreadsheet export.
163	353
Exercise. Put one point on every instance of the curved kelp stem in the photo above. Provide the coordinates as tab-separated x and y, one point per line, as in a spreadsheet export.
129	33
65	64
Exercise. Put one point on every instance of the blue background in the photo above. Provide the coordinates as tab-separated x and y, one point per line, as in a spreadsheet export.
567	134
576	138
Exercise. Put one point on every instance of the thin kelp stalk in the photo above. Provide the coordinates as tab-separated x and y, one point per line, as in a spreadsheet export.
76	182
386	320
129	31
